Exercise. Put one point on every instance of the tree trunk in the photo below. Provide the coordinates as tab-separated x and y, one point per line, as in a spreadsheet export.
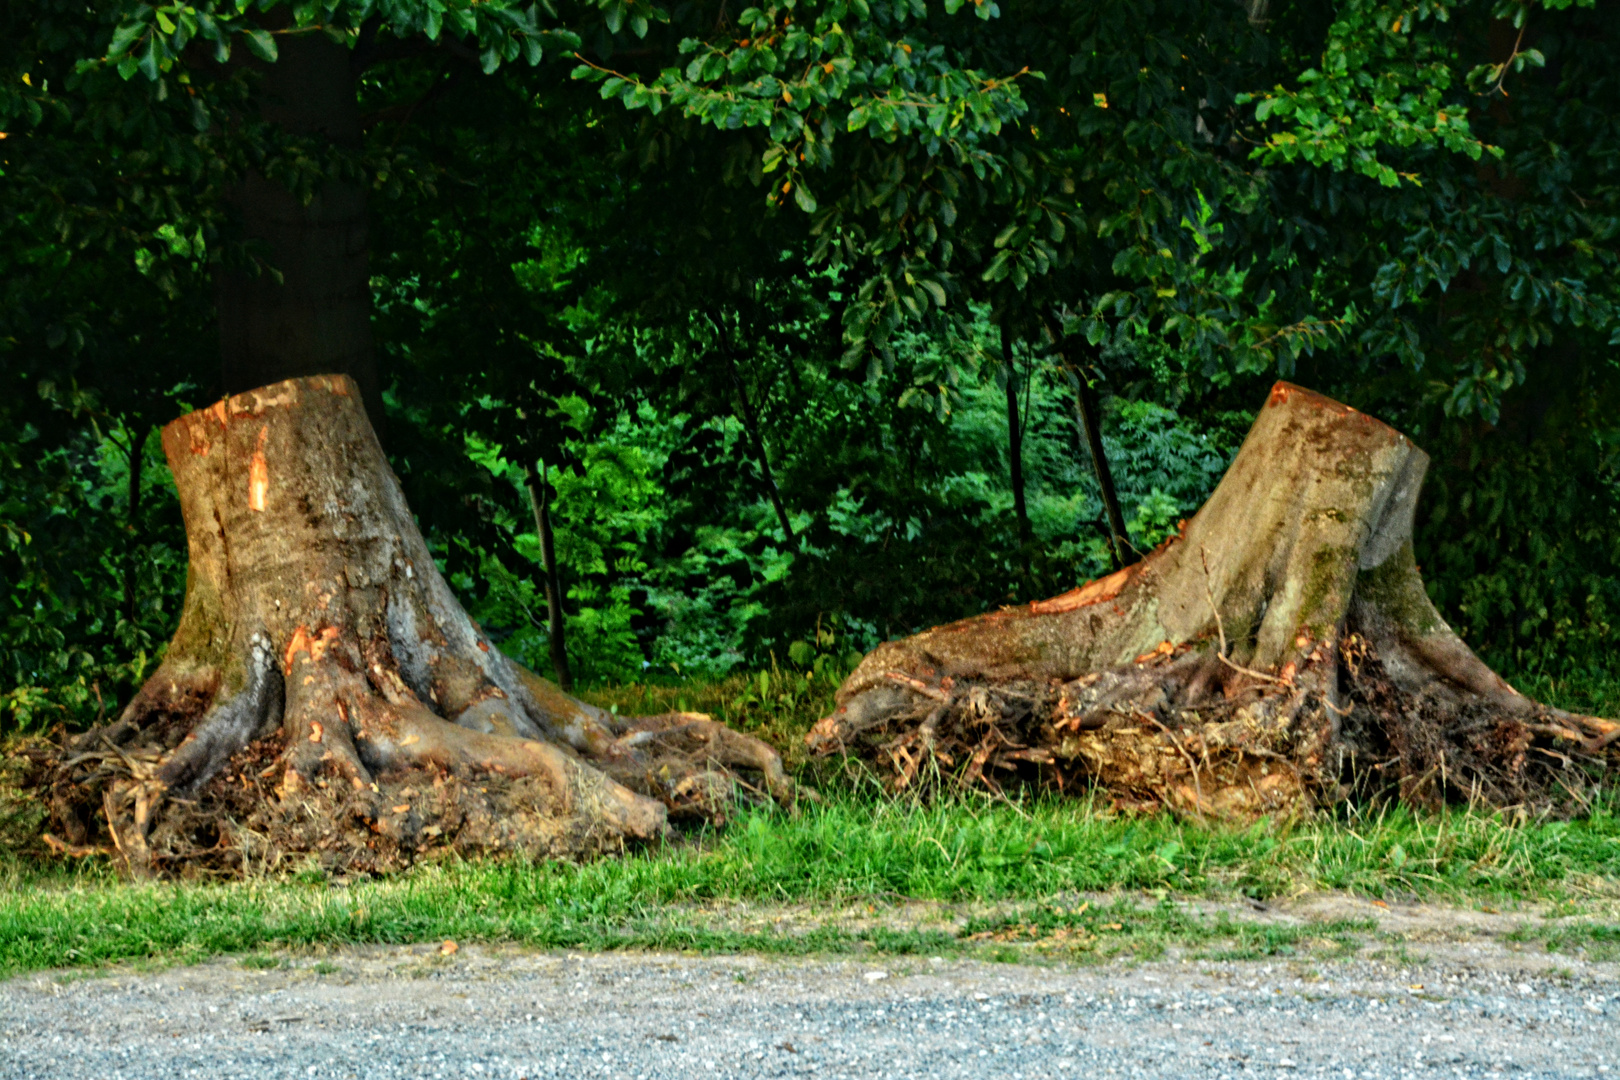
750	422
1085	411
1015	444
1280	652
307	308
132	518
539	487
326	697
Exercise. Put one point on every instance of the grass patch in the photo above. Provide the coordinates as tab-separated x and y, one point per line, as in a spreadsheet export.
1040	859
1124	927
1592	940
1025	876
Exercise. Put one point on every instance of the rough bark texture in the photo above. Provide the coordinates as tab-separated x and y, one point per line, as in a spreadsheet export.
1280	651
326	696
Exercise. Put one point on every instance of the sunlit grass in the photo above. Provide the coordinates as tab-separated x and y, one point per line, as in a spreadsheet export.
846	854
1061	873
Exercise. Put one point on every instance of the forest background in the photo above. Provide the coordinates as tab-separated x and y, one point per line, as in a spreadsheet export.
785	400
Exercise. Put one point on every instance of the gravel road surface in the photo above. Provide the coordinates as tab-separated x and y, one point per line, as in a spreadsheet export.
1473	1010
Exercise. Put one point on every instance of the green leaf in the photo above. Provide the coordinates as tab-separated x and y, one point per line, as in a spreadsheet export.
149	58
261	44
802	196
123	38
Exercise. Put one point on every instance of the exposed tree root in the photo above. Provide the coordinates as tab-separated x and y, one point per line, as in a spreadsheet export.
1339	676
326	698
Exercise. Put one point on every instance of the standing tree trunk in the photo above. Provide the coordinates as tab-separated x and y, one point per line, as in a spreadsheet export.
1281	651
326	697
1086	413
132	517
539	487
1015	443
307	308
756	439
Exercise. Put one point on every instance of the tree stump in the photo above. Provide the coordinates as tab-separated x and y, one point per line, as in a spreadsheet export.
325	696
1281	651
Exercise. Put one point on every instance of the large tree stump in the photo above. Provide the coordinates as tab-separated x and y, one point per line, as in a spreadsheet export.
325	694
1280	650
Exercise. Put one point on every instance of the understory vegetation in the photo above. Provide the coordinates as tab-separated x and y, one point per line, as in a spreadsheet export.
795	353
713	347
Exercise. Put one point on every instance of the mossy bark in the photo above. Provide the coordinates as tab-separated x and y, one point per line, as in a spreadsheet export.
325	695
1276	653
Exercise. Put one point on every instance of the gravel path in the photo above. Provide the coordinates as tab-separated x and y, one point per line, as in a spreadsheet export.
1475	1011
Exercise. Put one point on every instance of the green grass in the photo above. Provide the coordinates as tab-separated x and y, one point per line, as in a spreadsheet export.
1018	878
1033	863
1592	688
1596	941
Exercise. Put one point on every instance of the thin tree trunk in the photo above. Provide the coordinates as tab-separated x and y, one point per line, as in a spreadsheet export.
540	502
1015	441
1085	411
307	309
132	518
750	421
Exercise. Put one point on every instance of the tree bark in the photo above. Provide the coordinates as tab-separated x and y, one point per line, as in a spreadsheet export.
1015	442
539	487
750	421
132	517
326	698
1086	413
1280	652
307	308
